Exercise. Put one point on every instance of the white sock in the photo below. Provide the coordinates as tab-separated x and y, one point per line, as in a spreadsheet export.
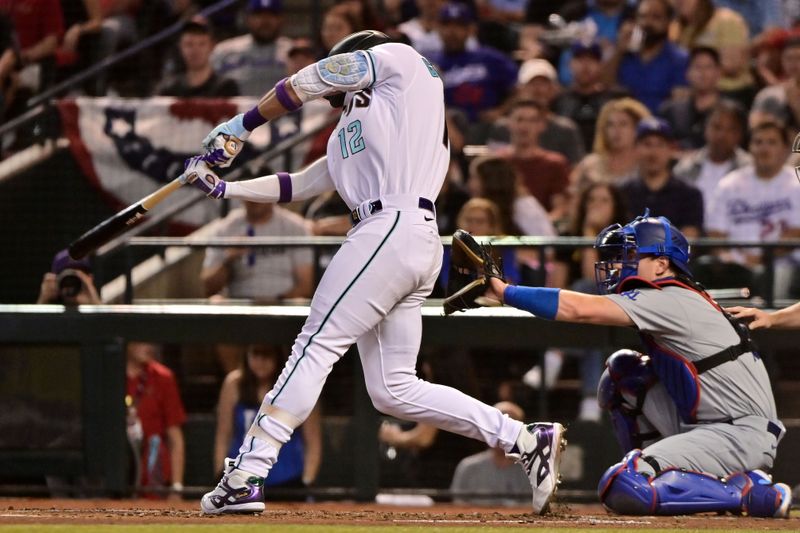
257	455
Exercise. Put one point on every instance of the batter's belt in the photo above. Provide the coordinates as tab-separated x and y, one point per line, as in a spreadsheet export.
393	201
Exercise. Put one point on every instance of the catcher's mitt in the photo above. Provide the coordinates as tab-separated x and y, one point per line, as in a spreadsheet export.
471	266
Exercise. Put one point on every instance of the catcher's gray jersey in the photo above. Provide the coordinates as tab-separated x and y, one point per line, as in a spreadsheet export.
735	409
682	321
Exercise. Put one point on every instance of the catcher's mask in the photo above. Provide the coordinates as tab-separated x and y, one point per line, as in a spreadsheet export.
796	150
361	40
620	248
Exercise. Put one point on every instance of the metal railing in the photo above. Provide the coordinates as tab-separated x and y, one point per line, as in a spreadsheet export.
541	244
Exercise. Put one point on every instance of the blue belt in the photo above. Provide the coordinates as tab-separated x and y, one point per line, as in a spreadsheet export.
377	205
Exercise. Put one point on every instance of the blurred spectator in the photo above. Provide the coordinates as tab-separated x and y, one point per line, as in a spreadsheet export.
79	49
9	49
781	102
120	29
687	113
699	23
582	101
239	402
301	54
491	473
767	49
645	62
69	282
760	15
655	187
363	12
155	417
266	274
498	23
605	16
599	206
199	80
451	199
544	173
39	26
613	158
494	178
337	23
423	30
723	133
477	81
759	202
537	82
257	60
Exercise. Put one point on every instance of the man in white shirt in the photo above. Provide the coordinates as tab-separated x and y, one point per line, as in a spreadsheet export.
759	202
265	274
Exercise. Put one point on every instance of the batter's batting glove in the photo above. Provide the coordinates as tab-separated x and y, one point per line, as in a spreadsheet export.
198	174
471	266
225	142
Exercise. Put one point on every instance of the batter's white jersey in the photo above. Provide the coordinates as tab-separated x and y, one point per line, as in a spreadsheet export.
391	138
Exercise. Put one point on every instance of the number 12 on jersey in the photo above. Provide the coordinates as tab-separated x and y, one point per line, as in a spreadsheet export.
353	144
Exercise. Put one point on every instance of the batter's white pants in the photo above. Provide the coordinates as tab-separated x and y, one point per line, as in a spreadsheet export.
371	294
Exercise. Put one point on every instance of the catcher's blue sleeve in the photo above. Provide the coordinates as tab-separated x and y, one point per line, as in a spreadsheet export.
541	301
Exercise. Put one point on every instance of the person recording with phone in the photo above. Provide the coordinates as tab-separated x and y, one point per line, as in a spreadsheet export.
69	282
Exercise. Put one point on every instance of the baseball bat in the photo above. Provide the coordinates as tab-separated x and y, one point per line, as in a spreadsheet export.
122	221
130	216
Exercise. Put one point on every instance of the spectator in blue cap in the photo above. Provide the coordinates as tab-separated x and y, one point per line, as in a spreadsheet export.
655	187
69	282
257	59
475	81
582	100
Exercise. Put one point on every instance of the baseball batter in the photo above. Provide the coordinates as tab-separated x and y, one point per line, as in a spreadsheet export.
695	416
387	159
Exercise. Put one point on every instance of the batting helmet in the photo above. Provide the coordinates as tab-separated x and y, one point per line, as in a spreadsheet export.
621	247
361	40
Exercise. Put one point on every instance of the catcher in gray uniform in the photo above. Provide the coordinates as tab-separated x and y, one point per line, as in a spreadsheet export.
695	415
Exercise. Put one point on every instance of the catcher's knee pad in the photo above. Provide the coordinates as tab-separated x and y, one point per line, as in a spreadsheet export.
621	391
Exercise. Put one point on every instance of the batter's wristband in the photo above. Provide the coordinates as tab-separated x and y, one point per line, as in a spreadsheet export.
541	301
285	184
253	119
283	96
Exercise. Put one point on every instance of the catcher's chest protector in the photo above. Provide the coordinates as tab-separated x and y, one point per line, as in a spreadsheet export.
679	375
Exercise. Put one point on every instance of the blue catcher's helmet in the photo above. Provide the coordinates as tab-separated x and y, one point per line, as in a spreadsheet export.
621	247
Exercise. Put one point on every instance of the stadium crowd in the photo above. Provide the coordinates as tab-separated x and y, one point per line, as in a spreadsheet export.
586	111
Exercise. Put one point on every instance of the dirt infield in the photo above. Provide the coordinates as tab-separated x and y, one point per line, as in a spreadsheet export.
45	511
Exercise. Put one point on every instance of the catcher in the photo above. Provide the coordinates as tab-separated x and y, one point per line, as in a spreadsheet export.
695	415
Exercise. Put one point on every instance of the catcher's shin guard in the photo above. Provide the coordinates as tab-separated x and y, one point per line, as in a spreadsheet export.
627	488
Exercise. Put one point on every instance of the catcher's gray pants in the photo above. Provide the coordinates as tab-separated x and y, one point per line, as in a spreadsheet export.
718	448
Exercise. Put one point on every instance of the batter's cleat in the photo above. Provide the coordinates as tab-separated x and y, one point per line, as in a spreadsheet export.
538	449
238	492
